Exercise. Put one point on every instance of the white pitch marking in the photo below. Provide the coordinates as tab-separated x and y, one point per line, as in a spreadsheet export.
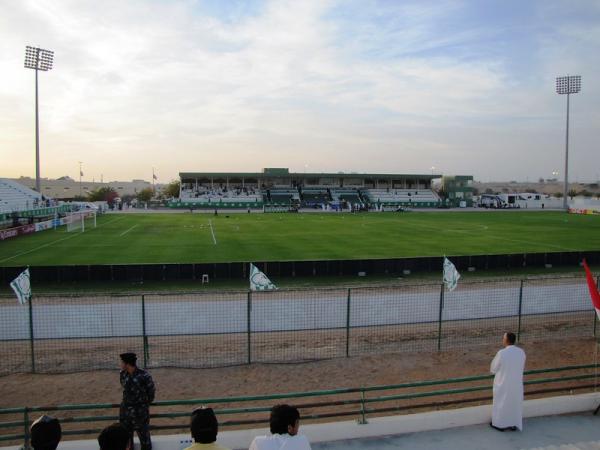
212	232
128	230
53	242
38	248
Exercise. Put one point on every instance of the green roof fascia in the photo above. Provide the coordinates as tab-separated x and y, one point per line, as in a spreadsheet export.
301	175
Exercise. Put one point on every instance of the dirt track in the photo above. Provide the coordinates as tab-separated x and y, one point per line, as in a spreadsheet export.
387	368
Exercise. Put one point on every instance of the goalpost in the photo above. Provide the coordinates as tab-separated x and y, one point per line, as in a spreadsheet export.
77	221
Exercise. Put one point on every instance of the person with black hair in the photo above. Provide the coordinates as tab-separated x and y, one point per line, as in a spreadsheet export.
507	367
45	433
204	427
284	423
115	437
138	393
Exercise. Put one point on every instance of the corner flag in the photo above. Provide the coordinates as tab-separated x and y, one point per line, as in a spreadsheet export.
22	287
451	275
259	281
592	288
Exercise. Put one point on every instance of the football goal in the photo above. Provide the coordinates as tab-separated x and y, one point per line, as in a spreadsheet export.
78	221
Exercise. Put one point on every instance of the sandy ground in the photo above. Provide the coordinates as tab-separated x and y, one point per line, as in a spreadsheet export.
102	386
389	368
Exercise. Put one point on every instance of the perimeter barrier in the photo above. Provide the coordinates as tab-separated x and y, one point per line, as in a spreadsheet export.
360	403
62	333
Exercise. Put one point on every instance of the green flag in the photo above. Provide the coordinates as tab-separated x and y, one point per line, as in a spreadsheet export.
451	275
22	287
259	281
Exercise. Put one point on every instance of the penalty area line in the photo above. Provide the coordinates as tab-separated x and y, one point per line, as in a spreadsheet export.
212	232
128	230
53	242
38	248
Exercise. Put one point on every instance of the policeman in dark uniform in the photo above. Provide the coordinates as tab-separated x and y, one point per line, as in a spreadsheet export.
138	393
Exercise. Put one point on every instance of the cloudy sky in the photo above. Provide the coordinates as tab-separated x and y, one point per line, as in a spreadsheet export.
389	86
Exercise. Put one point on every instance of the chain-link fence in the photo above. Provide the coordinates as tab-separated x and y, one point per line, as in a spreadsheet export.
57	333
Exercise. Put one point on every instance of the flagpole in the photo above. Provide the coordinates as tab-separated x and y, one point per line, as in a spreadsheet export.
31	344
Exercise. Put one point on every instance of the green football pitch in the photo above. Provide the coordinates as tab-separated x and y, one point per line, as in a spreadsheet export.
197	238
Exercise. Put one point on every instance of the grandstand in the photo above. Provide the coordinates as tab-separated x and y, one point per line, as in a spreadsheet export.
402	196
280	187
217	194
16	197
25	211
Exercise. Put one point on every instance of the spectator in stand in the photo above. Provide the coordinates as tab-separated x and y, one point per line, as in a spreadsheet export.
284	423
45	433
204	427
114	437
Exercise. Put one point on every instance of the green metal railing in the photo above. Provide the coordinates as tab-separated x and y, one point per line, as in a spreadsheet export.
328	404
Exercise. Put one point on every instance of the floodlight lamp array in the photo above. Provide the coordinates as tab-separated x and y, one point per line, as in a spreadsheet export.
38	58
568	85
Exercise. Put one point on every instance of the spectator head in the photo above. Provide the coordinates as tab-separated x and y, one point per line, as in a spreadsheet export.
285	419
128	359
509	338
204	425
114	437
45	433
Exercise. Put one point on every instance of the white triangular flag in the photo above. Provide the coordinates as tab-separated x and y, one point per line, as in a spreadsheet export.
22	287
451	275
259	281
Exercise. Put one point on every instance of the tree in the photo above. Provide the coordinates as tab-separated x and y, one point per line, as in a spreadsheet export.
572	193
145	195
127	198
558	194
103	194
489	191
171	190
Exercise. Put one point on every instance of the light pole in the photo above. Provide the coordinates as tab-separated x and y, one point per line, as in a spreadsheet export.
38	59
571	84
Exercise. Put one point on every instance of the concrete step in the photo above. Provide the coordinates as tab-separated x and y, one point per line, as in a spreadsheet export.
595	445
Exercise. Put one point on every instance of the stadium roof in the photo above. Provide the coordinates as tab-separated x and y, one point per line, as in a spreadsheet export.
278	173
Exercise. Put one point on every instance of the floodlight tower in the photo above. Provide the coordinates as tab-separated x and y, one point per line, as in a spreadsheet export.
571	84
38	59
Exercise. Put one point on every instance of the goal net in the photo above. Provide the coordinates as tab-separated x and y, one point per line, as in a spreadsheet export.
79	221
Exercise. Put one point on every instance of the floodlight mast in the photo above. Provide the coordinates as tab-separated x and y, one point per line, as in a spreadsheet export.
571	84
38	59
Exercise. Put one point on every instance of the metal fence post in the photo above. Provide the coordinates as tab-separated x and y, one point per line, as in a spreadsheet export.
348	324
26	429
520	310
249	326
144	335
31	344
363	414
439	344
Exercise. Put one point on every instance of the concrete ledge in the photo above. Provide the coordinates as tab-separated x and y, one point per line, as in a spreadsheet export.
381	426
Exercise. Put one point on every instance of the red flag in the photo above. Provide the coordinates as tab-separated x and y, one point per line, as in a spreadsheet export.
593	288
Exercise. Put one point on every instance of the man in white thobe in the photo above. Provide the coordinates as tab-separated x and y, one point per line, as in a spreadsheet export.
507	366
